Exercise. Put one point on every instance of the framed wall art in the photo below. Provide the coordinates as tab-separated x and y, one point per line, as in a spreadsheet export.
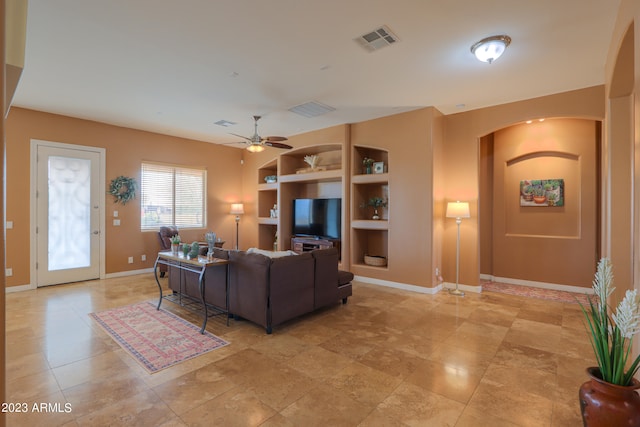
542	192
378	167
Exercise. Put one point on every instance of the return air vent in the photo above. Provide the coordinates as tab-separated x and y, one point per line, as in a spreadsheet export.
311	109
224	123
377	39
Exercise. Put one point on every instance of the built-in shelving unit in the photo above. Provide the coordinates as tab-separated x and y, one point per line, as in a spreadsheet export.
267	198
295	179
369	236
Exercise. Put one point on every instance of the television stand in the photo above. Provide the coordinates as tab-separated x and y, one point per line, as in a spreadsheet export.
306	244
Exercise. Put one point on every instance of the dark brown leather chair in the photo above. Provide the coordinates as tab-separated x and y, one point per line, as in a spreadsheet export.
164	236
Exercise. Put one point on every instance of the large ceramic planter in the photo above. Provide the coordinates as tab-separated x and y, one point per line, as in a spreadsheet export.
604	404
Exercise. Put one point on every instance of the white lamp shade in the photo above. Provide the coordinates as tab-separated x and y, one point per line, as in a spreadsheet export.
255	148
237	209
458	210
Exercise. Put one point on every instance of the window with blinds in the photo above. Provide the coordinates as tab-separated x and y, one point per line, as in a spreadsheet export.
172	195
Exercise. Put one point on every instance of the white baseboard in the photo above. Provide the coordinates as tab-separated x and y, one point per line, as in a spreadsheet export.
20	288
397	285
129	273
543	285
467	288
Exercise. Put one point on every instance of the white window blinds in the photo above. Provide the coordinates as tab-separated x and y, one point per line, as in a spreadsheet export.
172	195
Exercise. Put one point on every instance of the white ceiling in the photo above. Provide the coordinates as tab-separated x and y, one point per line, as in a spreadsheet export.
177	67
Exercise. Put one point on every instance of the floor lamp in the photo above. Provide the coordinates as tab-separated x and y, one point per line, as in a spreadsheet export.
457	210
237	209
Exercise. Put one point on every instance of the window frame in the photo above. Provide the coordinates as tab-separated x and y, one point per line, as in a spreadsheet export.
174	170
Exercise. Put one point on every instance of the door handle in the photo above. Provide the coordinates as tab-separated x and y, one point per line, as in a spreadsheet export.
96	232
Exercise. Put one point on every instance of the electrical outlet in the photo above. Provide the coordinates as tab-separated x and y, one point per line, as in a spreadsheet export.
143	257
130	260
8	272
116	222
437	271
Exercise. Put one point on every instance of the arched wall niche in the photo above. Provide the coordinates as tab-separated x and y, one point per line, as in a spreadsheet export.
536	243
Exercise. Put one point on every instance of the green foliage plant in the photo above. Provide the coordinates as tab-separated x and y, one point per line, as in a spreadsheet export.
612	334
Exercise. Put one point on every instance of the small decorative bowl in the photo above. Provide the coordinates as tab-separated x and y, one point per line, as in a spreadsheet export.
270	179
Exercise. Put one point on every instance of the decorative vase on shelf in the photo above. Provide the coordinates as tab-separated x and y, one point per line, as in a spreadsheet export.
174	248
606	404
375	214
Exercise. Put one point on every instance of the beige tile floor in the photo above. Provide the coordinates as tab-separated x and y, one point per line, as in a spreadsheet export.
387	358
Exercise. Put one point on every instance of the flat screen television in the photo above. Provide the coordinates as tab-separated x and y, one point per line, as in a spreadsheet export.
317	218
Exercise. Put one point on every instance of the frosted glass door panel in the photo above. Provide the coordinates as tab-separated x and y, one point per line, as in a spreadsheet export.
69	200
69	213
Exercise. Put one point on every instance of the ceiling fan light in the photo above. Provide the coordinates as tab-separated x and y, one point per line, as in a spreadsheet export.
255	148
490	48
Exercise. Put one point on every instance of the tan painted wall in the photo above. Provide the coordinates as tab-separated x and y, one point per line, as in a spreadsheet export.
622	127
462	162
485	208
125	150
3	365
538	243
409	140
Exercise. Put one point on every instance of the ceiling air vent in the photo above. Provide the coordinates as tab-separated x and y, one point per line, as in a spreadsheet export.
311	109
377	39
225	123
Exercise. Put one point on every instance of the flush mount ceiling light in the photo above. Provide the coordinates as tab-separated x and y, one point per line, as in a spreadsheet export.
490	48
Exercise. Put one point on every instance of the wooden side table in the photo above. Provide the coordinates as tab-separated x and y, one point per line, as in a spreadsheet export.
199	266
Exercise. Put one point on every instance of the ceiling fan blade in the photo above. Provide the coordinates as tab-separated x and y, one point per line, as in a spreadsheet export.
235	142
277	145
275	138
240	136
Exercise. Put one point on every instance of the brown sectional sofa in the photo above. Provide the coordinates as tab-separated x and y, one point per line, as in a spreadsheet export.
270	291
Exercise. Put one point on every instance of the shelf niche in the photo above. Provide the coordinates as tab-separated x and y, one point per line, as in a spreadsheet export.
369	236
267	197
369	242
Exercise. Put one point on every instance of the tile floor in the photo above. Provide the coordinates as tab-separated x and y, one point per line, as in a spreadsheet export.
387	358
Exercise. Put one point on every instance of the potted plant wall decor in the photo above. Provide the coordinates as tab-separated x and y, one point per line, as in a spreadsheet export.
609	398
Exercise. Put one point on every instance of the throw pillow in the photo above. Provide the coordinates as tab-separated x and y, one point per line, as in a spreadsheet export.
270	254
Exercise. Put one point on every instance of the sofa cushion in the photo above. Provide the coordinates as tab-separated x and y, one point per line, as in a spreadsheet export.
291	287
249	286
326	276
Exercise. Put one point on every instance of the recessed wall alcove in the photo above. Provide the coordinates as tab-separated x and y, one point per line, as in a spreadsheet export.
536	243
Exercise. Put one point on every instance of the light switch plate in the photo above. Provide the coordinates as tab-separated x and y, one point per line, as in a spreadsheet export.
116	222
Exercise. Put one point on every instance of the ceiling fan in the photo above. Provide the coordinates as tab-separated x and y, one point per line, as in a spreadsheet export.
256	143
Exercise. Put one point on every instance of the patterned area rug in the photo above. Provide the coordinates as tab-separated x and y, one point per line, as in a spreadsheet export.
540	293
157	339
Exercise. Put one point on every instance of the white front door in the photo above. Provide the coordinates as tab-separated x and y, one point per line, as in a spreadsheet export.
68	205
